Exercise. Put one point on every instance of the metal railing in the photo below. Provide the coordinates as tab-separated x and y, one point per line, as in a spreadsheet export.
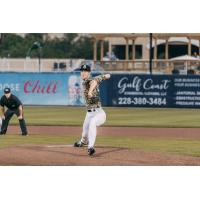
32	64
159	66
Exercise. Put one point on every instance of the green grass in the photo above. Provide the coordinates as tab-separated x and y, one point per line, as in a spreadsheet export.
136	117
15	140
188	147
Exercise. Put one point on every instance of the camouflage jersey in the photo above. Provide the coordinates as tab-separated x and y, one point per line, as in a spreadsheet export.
95	101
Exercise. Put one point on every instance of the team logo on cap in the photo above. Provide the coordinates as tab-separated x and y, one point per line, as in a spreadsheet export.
84	66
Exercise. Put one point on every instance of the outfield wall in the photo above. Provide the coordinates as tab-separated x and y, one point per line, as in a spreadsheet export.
132	90
124	90
44	88
47	88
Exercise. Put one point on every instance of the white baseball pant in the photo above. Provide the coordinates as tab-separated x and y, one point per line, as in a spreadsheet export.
92	120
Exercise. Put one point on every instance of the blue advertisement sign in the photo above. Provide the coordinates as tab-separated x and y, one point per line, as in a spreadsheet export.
132	90
186	91
44	88
123	90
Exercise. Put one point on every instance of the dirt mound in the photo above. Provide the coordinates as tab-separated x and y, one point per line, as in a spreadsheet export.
65	155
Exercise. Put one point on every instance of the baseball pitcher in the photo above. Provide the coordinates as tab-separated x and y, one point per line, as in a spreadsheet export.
95	115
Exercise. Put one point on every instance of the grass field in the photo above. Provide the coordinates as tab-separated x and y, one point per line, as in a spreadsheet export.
188	147
135	117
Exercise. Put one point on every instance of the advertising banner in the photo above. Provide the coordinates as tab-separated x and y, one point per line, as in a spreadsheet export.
44	88
132	90
122	90
186	91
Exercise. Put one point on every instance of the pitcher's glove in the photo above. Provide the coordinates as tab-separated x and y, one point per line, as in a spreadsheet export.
94	100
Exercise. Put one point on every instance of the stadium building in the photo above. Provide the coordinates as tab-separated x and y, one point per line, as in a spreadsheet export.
171	52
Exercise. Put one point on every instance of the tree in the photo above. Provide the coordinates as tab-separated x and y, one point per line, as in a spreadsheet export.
72	45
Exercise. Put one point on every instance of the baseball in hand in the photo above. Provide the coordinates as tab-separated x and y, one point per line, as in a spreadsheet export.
107	76
90	95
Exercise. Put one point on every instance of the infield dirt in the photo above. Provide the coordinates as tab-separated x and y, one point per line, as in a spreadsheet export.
48	154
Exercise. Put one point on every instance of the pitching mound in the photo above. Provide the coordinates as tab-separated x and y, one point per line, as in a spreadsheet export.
65	155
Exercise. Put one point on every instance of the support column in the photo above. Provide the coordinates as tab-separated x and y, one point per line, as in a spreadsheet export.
109	47
199	53
133	49
109	51
189	47
155	52
189	53
127	50
102	50
167	51
95	50
199	48
127	54
133	53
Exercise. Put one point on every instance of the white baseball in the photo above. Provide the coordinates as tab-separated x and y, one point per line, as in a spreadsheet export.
107	76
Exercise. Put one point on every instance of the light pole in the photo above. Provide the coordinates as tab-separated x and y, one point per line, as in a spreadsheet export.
150	52
36	46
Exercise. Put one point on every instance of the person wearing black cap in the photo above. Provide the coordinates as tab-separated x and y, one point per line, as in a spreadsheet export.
95	115
14	106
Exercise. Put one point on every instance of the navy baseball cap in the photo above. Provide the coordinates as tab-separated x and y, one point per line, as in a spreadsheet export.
7	90
85	68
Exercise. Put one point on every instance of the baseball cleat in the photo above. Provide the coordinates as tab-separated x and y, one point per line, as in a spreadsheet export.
91	151
79	144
